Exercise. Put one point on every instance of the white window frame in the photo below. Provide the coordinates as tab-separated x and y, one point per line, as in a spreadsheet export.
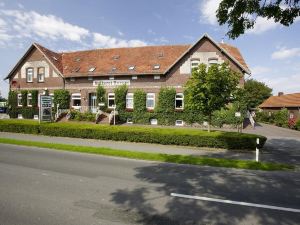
111	96
72	79
156	77
178	98
29	97
195	61
129	97
19	99
111	78
43	75
29	75
150	96
76	96
134	77
179	123
212	62
153	121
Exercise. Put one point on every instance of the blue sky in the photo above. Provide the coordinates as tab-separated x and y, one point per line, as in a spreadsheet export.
271	50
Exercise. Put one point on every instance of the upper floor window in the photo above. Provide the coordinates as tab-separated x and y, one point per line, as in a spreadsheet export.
195	63
129	101
41	74
150	101
29	99
212	61
19	99
29	74
111	100
179	101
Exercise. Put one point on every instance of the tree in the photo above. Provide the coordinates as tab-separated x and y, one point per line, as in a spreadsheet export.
256	92
100	93
241	15
210	89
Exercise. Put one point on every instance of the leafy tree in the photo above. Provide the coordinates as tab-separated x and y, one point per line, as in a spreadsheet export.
100	92
241	15
210	89
256	92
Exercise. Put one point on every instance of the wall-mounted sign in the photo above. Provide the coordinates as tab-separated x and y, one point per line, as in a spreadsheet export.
111	83
45	108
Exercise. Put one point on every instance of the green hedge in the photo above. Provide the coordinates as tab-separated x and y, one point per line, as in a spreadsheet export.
166	136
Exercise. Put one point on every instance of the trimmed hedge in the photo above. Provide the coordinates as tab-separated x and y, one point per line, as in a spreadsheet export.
166	136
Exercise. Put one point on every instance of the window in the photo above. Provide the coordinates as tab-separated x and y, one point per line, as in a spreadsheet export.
178	123
72	79
195	63
92	69
156	77
111	78
179	101
41	74
150	101
129	120
90	78
134	77
153	121
129	101
111	100
212	61
29	74
156	67
131	67
76	100
19	99
29	99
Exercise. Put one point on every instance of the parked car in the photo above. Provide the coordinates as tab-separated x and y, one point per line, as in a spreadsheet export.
3	109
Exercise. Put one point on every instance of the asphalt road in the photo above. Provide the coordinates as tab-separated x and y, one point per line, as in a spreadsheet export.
40	186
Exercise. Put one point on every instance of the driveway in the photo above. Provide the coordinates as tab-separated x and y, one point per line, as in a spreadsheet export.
283	144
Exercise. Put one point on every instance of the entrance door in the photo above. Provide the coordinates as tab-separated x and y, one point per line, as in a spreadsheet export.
93	102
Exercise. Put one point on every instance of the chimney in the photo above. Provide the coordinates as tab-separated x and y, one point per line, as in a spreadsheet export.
280	93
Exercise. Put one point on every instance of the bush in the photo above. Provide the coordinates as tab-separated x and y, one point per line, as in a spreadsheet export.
61	97
13	112
78	116
20	126
264	117
34	95
297	125
281	118
29	112
139	107
166	136
101	98
120	97
12	99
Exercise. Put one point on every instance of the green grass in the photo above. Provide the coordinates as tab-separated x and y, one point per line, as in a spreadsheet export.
179	159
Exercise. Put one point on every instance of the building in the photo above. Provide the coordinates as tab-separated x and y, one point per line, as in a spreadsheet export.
289	101
148	68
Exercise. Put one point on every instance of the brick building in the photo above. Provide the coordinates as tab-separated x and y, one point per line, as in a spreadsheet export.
148	68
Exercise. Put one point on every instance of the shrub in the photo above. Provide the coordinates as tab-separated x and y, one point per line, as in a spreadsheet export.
13	112
264	117
281	118
166	136
297	125
29	112
120	97
12	99
62	97
34	95
24	98
139	107
101	98
78	116
166	106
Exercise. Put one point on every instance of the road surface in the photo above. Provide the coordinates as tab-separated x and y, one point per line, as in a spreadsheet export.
40	186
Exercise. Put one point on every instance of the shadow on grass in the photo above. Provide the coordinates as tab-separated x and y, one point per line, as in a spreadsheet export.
155	205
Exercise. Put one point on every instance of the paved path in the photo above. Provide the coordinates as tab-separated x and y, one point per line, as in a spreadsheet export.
41	186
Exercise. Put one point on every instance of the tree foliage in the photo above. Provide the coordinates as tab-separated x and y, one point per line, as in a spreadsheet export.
241	15
62	97
120	97
210	89
256	92
101	98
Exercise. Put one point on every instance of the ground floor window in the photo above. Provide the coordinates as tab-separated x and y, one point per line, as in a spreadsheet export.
179	101
150	101
111	100
129	101
29	99
19	99
76	100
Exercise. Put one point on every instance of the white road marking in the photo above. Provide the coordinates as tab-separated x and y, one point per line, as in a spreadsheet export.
235	202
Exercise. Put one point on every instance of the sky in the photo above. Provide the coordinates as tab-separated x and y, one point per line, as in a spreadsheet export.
271	51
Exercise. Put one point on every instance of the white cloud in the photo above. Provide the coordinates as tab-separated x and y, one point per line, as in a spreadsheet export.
105	41
286	83
17	25
262	25
284	53
208	11
161	40
45	26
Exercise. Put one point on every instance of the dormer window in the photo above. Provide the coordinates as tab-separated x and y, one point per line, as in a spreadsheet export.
54	58
77	60
131	67
113	69
76	70
29	74
195	63
160	55
156	67
92	69
116	57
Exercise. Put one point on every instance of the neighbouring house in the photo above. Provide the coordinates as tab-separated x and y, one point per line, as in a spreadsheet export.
148	68
289	101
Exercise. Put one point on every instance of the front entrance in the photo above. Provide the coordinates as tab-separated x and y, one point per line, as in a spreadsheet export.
93	102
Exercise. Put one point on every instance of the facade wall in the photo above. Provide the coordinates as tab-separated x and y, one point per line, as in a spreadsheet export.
36	59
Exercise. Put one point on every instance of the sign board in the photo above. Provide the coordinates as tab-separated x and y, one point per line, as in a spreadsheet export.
111	83
237	114
45	108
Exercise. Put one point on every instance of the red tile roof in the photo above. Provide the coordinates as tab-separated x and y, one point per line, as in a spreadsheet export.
288	100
